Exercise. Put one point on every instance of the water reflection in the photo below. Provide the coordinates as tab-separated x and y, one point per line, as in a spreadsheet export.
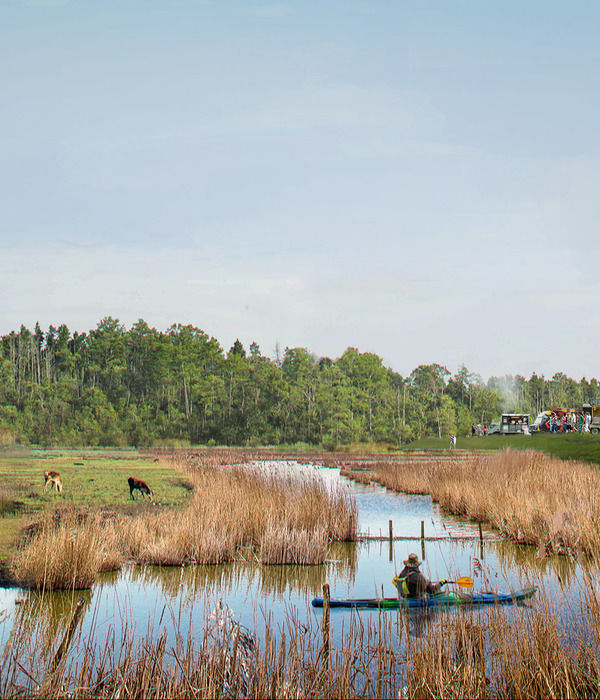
42	621
277	582
560	568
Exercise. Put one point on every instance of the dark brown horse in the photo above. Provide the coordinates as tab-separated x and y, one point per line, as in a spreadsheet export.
140	485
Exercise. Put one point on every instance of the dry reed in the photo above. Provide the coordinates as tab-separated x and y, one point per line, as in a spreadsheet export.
505	653
66	552
361	476
281	544
529	497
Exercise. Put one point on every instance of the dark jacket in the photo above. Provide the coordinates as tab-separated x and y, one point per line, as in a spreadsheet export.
417	584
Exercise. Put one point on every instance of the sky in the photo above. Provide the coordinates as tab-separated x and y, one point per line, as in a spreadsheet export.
419	180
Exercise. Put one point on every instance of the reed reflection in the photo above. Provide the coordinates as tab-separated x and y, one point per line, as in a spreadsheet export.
527	559
212	581
42	621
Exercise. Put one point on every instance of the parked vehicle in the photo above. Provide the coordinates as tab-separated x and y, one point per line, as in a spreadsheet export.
593	410
510	424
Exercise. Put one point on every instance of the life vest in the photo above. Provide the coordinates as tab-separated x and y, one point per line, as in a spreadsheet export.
403	585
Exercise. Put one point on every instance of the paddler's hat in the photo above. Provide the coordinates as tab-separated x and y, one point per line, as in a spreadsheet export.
413	561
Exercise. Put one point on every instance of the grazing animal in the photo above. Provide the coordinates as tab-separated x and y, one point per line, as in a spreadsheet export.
52	478
140	485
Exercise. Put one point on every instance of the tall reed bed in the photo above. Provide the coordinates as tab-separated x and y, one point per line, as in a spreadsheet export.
282	545
505	653
248	498
66	550
530	497
235	507
361	476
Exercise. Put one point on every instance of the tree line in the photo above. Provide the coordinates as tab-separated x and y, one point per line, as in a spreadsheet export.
143	387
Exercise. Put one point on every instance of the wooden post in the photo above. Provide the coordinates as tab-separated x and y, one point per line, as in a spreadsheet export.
325	649
422	529
391	531
481	555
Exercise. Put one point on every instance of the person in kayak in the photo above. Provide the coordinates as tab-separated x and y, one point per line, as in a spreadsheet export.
411	583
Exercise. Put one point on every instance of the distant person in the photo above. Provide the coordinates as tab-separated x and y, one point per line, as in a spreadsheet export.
484	430
452	442
479	430
473	430
411	583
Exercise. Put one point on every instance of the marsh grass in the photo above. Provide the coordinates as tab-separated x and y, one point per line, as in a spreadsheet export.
10	500
361	476
244	499
528	496
494	656
221	659
281	544
66	552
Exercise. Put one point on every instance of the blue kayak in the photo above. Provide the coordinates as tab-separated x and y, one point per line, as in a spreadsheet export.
447	598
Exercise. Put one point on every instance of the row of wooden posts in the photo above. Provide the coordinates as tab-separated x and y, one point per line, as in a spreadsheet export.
391	535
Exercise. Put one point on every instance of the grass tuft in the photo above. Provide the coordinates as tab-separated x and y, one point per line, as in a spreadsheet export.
66	551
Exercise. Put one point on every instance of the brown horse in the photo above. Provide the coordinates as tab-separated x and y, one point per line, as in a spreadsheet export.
140	485
52	478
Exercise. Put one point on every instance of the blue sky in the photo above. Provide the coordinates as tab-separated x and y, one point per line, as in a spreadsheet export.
418	180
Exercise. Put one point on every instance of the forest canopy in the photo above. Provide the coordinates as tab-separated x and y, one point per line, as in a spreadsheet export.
144	387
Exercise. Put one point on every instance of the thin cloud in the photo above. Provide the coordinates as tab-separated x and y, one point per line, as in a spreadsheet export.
46	3
272	11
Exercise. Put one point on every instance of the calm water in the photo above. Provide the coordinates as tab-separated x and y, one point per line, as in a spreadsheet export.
178	599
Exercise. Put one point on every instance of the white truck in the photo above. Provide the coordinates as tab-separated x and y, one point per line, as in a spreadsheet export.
511	424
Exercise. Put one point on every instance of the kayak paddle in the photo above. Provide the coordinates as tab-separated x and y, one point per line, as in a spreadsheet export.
463	582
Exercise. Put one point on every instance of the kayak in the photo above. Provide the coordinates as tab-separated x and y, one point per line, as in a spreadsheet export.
447	598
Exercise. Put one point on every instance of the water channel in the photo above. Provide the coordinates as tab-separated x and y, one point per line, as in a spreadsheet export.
179	599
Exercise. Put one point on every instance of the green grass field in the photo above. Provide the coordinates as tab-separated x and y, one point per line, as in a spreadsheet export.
579	446
93	478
